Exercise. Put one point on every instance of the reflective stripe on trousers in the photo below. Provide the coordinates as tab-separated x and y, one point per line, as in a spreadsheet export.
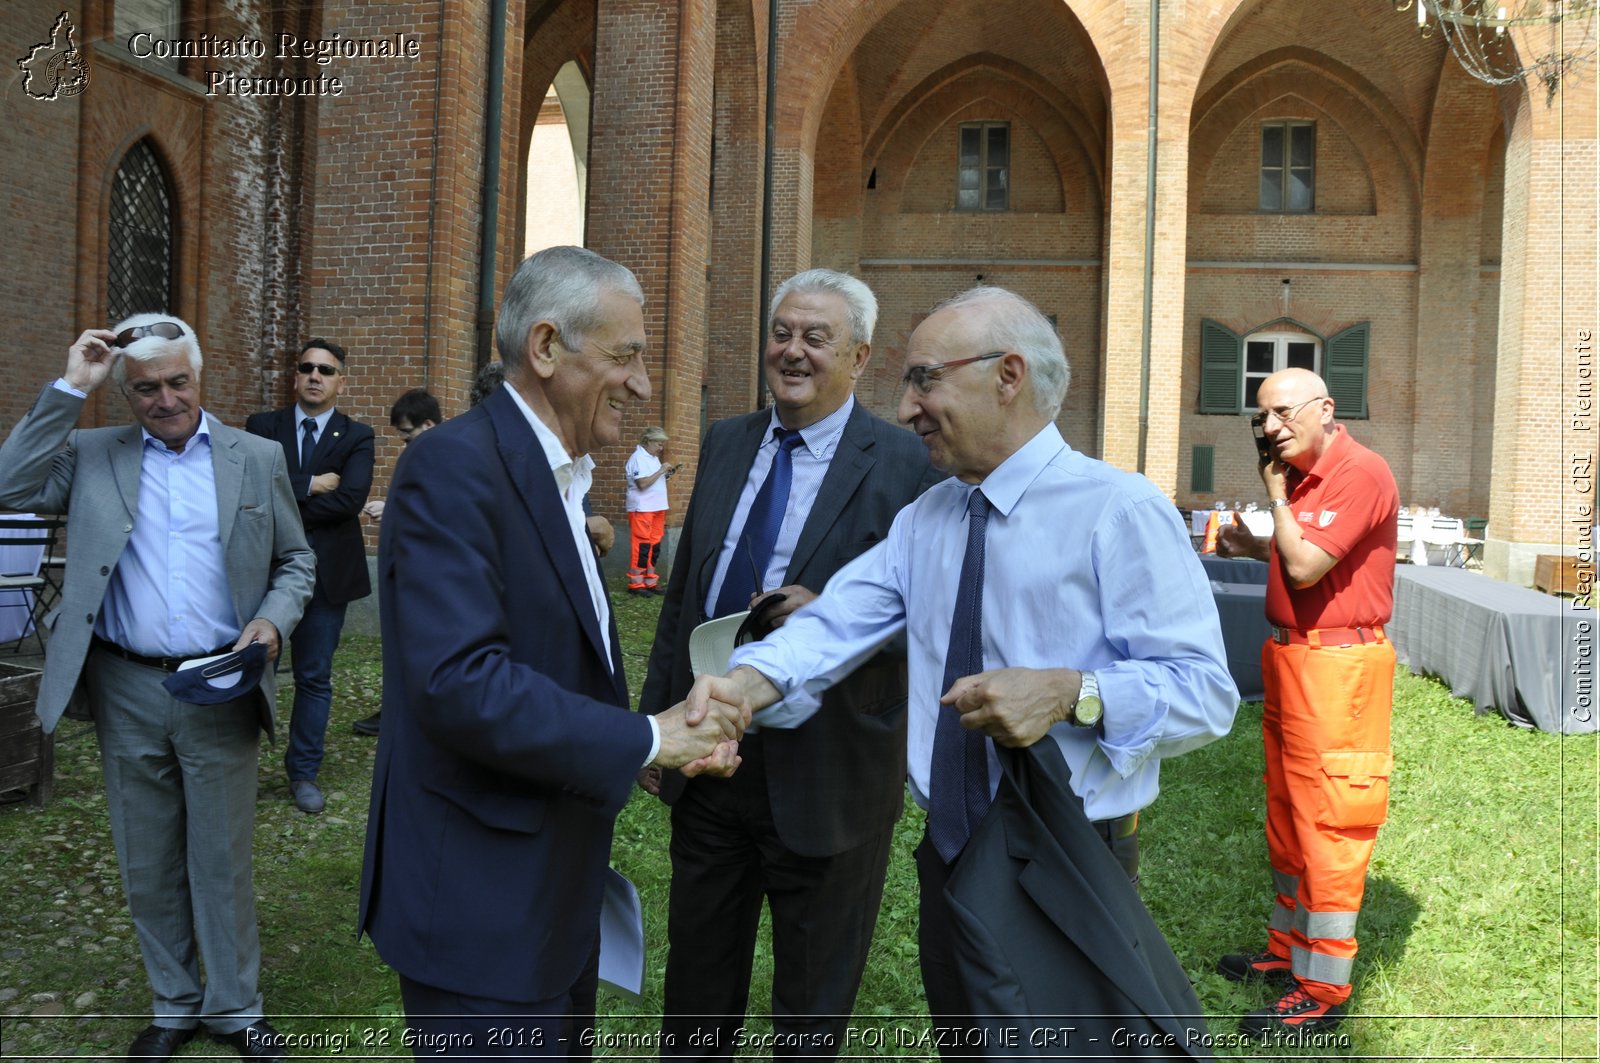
1325	728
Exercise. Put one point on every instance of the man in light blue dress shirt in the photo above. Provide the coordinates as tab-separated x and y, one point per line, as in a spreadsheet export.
185	542
1092	596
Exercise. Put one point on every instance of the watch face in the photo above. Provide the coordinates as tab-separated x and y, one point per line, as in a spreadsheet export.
1087	711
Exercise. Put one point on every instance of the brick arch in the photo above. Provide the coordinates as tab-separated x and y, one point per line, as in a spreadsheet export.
1225	94
1088	139
1394	174
825	34
557	34
898	157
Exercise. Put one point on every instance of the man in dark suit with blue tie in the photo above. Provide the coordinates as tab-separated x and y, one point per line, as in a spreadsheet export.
507	748
330	470
786	496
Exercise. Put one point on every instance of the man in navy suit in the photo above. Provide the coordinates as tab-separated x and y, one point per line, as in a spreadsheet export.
330	470
507	747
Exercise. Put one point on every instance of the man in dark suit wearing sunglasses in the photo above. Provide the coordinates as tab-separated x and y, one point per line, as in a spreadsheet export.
330	470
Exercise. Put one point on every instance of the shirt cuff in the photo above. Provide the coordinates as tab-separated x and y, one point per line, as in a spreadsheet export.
655	741
62	385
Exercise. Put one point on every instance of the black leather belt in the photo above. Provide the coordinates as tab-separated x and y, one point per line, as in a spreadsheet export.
1121	827
166	664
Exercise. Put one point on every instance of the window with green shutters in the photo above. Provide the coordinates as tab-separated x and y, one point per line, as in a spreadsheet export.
1346	370
1202	466
1232	366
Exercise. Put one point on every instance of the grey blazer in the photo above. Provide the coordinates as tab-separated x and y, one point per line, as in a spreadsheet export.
839	778
92	475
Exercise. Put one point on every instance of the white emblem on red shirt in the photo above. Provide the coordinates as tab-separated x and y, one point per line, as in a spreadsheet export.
1325	518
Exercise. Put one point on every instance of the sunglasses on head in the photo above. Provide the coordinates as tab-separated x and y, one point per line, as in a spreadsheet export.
319	367
166	330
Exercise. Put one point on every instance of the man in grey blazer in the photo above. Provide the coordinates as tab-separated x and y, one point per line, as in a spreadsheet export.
807	820
185	542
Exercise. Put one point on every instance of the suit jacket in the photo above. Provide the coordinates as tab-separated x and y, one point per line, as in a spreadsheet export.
839	779
94	480
507	748
332	519
1051	936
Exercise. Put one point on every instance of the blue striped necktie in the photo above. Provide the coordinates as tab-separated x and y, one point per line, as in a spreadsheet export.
753	550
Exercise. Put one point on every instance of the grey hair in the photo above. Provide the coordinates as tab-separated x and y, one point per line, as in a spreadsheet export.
1012	323
654	434
862	304
564	286
154	348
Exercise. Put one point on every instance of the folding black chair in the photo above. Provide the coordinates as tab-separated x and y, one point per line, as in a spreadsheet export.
33	578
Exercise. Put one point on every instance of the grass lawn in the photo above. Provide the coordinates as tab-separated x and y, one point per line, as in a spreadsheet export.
1478	933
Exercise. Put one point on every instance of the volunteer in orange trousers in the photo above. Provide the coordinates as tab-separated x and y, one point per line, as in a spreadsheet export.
647	510
1328	671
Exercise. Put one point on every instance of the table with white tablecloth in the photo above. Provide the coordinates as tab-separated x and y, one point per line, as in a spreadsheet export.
16	606
1528	655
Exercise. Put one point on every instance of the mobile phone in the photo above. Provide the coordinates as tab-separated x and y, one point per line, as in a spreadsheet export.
1258	428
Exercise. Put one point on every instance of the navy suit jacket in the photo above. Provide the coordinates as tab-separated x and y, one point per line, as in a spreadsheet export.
332	519
507	748
1058	955
839	779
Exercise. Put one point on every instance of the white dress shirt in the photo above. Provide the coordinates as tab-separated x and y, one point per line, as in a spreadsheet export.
1086	567
574	476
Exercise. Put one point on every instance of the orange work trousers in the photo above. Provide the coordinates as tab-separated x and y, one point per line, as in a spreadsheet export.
646	530
1326	731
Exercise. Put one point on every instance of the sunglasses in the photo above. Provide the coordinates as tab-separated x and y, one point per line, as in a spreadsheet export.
166	330
318	367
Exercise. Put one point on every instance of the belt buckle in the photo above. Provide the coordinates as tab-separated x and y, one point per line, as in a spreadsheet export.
1280	635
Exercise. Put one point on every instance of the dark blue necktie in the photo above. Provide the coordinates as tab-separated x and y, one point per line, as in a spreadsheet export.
308	442
959	780
753	551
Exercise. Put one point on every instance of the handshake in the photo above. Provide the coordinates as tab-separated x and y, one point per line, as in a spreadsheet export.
700	735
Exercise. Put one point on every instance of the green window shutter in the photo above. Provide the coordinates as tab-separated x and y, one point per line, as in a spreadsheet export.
1345	370
1221	368
1203	461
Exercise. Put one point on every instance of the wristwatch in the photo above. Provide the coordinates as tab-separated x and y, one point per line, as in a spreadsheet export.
1275	503
1086	713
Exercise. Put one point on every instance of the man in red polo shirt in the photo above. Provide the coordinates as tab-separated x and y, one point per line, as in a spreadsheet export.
1328	671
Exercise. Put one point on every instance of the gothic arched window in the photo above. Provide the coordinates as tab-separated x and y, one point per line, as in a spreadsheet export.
140	262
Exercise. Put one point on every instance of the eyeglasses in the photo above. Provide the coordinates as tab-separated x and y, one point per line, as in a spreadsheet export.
923	377
166	330
1284	414
319	367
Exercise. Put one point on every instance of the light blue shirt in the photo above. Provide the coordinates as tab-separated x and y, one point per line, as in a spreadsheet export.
1086	567
819	441
169	594
321	421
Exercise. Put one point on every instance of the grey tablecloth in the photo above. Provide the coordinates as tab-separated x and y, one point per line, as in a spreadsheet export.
1529	655
1242	609
1234	569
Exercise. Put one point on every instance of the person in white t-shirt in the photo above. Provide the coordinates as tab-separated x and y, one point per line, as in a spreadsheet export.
647	510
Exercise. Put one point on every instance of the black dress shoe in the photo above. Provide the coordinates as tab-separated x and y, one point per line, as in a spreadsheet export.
256	1041
368	726
160	1042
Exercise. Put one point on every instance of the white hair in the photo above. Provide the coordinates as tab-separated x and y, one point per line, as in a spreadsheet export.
1012	323
154	348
